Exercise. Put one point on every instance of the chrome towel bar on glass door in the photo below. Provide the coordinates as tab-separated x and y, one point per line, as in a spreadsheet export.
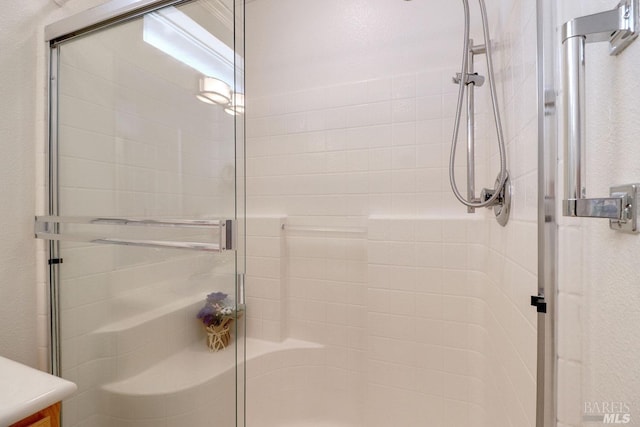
47	227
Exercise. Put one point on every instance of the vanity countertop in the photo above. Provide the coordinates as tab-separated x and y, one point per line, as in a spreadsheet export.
25	391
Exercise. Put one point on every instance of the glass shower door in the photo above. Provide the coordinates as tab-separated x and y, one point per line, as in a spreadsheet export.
143	221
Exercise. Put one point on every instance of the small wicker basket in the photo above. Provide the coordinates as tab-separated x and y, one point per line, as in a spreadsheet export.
219	336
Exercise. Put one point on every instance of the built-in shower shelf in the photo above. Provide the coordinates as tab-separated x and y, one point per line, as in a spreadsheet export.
151	315
197	366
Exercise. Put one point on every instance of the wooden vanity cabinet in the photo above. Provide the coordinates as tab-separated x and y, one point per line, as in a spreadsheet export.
48	417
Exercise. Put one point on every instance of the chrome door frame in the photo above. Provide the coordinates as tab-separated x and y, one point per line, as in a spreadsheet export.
101	16
53	247
546	382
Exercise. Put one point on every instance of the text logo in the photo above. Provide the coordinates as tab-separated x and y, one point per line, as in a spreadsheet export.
607	412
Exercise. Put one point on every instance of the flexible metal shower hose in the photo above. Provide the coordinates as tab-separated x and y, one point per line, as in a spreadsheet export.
496	112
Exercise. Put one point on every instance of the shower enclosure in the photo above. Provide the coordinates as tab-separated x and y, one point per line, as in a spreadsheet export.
410	311
372	298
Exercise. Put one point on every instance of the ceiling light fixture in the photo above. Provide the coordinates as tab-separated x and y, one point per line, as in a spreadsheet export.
214	91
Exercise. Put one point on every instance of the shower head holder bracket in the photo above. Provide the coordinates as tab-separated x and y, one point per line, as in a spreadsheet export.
470	78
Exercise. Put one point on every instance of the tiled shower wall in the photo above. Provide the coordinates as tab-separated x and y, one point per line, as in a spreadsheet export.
427	341
512	251
371	147
372	154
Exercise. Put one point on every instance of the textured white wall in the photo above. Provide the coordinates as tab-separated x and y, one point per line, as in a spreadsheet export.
21	124
22	128
599	294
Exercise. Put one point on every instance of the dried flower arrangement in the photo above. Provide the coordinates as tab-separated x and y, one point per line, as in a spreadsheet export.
217	317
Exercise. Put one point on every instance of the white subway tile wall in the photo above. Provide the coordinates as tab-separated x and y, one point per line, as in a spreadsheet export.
433	324
394	318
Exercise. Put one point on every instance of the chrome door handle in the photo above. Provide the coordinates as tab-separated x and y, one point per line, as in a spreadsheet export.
48	228
619	26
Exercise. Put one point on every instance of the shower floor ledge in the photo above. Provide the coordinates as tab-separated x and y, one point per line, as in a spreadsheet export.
196	365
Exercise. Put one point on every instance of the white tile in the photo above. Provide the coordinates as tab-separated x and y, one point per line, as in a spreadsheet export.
429	83
403	110
428	108
404	157
369	114
404	86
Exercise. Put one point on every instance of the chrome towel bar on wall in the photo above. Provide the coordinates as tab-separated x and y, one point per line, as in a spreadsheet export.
619	26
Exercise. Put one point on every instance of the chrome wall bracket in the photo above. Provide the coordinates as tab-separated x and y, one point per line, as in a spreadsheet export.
621	208
619	27
628	221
